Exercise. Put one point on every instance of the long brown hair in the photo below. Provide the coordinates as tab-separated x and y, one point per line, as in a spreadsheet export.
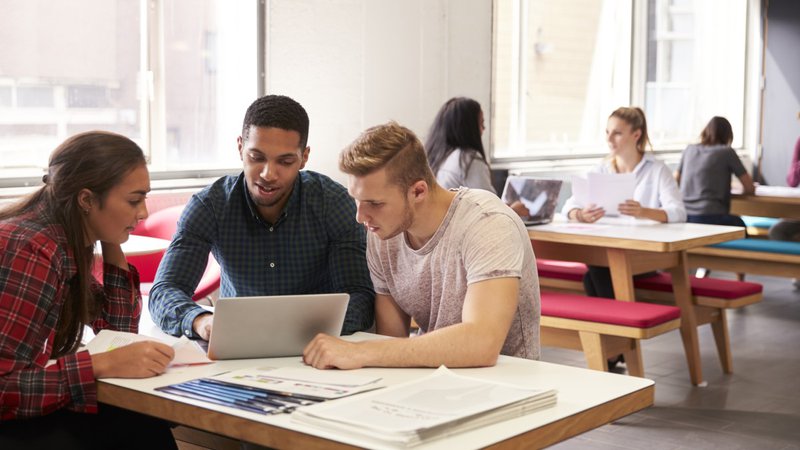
717	132
98	161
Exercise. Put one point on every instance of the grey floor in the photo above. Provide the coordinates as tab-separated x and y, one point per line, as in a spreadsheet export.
756	407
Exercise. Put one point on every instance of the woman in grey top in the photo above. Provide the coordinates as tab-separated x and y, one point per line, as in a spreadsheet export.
704	175
454	146
455	150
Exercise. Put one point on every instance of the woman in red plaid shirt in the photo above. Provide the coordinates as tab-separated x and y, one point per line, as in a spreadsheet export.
94	190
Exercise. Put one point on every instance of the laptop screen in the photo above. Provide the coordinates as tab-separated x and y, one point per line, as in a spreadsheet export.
540	196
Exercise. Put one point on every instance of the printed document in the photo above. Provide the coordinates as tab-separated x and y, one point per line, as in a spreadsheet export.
187	352
306	381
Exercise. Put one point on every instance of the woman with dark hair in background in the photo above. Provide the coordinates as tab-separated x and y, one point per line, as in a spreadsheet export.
455	150
704	175
454	146
94	190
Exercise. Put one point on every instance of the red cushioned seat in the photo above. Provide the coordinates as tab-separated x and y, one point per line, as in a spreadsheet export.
594	309
564	270
701	287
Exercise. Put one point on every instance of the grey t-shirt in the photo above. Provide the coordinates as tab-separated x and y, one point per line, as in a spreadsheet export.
706	178
476	173
479	239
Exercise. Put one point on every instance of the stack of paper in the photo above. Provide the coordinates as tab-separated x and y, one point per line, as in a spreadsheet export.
430	408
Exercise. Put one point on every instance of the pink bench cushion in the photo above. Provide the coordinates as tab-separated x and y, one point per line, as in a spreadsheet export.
564	270
702	287
594	309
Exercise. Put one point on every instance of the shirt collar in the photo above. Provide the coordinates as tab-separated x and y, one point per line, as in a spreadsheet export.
291	204
647	158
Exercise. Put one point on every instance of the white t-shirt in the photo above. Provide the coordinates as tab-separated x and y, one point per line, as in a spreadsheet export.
479	239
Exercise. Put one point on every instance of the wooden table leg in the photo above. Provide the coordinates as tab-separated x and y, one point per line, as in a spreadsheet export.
683	298
621	274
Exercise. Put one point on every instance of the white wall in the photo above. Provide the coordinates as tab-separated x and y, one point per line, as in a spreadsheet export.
357	63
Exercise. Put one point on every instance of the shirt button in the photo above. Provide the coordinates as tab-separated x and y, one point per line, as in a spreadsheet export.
270	228
188	332
272	264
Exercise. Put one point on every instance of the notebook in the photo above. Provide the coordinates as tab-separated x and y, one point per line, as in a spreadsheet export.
273	326
538	195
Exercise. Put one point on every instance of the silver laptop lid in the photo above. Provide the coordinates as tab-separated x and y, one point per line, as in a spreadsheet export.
540	196
273	326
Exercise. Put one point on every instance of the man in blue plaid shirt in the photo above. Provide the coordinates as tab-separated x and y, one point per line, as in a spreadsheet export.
274	229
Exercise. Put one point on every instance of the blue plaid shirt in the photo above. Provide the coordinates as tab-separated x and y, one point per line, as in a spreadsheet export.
316	246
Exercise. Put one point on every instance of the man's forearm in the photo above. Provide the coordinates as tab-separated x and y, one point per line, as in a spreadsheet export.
461	345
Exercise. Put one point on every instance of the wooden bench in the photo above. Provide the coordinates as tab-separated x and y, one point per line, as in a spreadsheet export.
603	328
753	256
711	297
561	276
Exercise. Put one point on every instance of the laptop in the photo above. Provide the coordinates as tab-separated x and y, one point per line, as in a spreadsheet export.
273	326
538	195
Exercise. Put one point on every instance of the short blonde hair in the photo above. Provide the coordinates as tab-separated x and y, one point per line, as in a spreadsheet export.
391	146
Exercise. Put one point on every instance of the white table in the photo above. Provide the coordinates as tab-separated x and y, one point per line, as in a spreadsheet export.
630	247
586	399
139	245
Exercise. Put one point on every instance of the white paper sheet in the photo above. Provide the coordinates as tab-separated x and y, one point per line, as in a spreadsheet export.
186	351
608	190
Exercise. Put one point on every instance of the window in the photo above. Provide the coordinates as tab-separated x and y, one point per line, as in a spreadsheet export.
174	75
560	68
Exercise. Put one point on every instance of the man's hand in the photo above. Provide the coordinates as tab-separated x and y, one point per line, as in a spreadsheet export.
138	360
202	325
327	352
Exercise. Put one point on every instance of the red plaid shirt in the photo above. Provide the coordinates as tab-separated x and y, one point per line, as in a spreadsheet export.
35	268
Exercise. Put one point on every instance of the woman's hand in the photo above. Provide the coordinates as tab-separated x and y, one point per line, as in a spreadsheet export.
590	214
631	208
635	209
138	360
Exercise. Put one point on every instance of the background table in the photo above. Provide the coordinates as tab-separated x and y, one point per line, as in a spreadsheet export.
629	247
139	245
768	203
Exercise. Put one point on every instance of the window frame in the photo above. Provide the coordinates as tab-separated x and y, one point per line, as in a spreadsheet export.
152	100
752	87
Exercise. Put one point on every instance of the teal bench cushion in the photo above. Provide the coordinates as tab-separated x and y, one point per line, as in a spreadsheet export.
762	245
759	222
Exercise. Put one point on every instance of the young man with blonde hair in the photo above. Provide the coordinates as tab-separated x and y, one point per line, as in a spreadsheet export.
458	262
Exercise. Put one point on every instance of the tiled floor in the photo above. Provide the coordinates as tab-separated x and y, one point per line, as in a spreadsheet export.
756	407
